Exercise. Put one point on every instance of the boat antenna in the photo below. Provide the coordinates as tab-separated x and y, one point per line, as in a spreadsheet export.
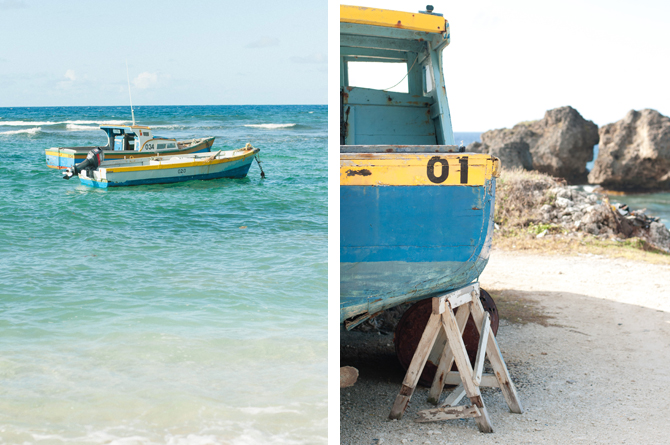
129	95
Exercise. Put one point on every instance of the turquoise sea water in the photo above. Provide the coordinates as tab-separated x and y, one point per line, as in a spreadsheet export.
657	204
181	313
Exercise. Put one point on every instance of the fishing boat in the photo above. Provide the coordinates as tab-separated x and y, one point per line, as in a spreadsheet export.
416	211
97	171
124	141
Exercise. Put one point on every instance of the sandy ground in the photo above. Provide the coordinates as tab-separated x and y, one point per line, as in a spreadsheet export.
597	371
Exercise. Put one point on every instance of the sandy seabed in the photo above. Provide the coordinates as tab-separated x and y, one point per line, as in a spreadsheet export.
597	371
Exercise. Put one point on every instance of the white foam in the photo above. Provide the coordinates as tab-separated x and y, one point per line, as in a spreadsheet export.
77	122
268	410
270	126
75	127
26	131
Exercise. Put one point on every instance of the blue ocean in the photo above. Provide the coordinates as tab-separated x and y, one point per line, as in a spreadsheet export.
188	313
656	204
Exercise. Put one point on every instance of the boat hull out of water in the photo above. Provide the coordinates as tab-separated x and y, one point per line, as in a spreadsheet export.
411	227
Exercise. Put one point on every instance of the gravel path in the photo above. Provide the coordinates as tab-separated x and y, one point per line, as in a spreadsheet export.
598	372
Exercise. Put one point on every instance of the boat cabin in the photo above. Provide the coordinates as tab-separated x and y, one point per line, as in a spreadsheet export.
418	115
135	137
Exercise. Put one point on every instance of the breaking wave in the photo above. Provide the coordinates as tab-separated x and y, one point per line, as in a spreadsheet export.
77	122
271	126
76	127
24	131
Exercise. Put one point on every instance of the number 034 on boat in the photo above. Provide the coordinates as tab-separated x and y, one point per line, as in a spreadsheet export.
416	213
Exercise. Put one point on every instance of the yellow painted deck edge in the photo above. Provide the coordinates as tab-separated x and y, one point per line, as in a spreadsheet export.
392	19
411	169
181	165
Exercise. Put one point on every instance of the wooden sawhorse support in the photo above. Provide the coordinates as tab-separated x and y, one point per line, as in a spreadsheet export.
469	379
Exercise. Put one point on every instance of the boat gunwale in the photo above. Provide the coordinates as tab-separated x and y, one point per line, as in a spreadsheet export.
194	163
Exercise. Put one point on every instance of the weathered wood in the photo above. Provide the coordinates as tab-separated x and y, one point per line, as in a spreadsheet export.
416	366
463	295
447	413
498	363
488	380
439	305
465	368
481	348
446	360
456	395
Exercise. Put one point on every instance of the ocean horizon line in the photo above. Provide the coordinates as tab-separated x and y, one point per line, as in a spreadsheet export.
173	105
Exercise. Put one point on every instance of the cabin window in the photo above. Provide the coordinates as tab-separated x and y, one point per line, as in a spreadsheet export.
379	76
160	146
171	146
129	142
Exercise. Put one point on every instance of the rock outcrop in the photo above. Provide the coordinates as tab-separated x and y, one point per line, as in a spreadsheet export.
548	207
560	144
634	153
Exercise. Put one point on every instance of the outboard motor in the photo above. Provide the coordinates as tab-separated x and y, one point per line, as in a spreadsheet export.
93	160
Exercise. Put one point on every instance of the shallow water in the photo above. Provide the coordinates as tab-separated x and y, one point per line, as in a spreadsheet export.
181	313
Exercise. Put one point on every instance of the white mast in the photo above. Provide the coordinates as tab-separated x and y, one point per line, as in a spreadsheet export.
129	95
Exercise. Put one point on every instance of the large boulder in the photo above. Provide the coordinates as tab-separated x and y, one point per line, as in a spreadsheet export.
560	144
512	155
634	153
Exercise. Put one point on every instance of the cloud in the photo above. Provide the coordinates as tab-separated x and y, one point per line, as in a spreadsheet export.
69	74
310	58
145	80
264	42
12	4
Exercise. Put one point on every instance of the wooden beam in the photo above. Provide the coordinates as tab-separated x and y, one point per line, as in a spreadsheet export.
498	363
446	360
383	43
465	368
488	380
481	348
456	395
416	367
447	413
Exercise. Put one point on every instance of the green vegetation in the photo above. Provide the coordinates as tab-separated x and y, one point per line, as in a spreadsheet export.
519	197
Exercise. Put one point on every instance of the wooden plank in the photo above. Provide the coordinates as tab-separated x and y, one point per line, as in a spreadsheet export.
463	295
416	366
446	135
481	349
488	380
382	43
456	395
465	368
498	363
439	305
446	360
398	149
447	413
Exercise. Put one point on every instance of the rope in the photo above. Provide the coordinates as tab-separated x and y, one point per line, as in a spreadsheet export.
408	71
258	161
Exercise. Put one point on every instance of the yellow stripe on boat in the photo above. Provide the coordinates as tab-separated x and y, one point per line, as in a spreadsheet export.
180	165
372	169
62	155
392	19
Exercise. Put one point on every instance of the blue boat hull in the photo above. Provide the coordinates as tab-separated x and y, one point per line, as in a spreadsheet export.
405	243
236	173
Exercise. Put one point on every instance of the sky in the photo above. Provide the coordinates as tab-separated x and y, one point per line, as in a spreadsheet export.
202	52
510	61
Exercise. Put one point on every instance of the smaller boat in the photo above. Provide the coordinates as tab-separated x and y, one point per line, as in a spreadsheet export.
95	171
127	140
